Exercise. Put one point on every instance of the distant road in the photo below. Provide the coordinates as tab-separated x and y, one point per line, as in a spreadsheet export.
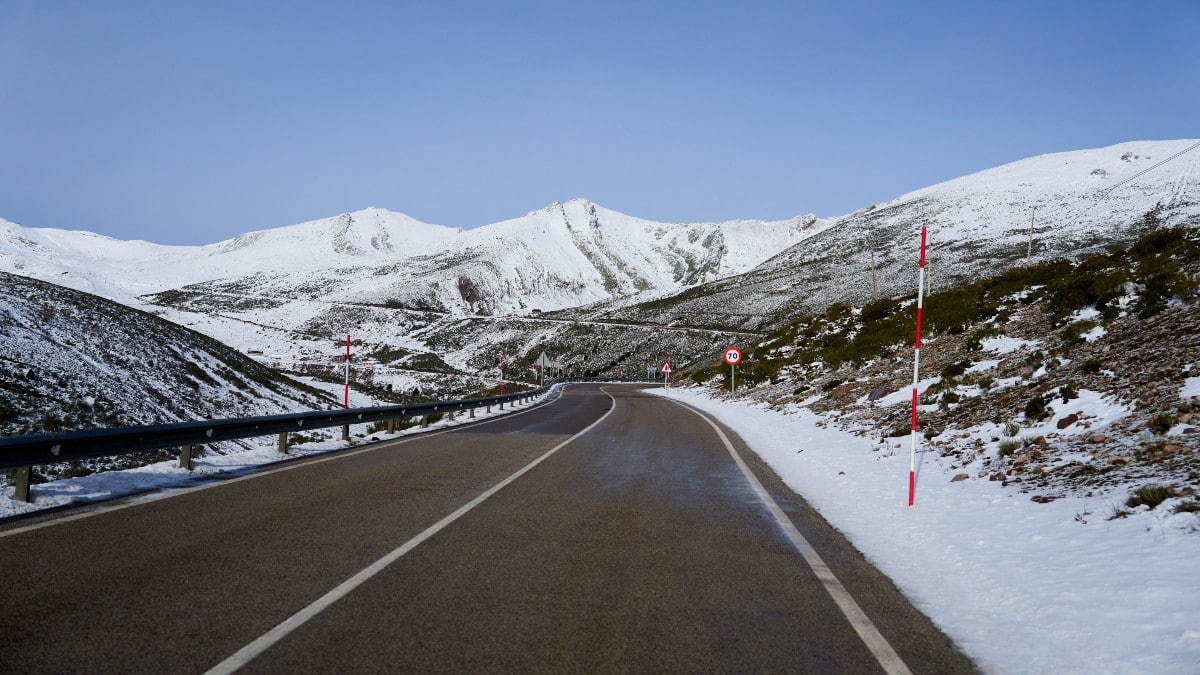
515	544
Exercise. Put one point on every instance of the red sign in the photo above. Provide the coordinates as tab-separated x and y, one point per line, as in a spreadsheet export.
666	368
733	356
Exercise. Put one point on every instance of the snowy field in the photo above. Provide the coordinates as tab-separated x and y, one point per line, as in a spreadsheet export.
1021	587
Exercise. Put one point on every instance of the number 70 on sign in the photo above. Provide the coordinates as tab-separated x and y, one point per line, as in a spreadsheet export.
732	356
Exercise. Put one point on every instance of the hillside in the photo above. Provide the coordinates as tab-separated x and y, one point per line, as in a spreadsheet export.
71	360
1080	203
1057	379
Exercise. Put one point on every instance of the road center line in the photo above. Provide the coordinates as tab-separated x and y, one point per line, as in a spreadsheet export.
874	640
246	654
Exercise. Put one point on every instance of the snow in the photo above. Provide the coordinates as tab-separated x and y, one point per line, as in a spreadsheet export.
1191	388
1021	587
1005	345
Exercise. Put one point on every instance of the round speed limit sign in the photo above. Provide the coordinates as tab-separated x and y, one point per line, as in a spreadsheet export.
733	356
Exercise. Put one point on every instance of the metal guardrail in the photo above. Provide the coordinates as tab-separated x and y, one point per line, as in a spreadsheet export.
23	452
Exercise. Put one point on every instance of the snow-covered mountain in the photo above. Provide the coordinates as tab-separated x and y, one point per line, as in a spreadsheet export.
561	256
596	284
1064	205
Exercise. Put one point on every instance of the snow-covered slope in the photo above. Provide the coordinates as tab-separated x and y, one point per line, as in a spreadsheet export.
561	256
1079	203
70	360
124	270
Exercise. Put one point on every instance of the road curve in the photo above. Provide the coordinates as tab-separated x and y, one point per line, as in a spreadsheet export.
518	543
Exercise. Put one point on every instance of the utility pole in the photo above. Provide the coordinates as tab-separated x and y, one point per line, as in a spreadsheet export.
1029	246
874	293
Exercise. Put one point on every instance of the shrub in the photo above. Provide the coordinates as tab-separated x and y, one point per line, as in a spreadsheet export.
1075	331
1161	423
956	369
1150	495
1189	506
1091	366
1008	446
1067	392
1035	408
877	309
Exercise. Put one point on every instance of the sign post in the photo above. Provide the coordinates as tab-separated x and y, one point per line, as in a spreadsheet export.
665	370
912	454
346	394
346	397
733	356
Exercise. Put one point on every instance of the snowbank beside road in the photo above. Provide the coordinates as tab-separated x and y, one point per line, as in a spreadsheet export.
1022	587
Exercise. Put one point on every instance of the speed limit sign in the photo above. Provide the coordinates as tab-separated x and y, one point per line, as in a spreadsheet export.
733	356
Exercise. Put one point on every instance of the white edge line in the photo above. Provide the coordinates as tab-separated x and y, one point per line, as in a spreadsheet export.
246	654
168	491
874	640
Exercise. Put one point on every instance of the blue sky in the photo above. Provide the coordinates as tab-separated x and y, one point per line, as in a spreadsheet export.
188	123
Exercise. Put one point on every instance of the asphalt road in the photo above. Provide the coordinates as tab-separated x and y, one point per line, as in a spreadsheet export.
515	544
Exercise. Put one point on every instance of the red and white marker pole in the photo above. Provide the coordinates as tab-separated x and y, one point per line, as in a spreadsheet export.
346	399
912	455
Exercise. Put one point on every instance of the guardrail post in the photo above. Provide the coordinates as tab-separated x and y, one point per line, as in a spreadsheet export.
391	426
502	405
472	413
425	421
21	493
282	443
345	432
489	408
451	415
185	457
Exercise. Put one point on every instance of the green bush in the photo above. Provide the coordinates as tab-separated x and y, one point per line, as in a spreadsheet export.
1035	409
1074	332
956	369
1150	495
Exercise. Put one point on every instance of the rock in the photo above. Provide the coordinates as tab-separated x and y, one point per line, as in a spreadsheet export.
879	392
1171	447
1042	499
959	477
1098	438
996	476
1068	421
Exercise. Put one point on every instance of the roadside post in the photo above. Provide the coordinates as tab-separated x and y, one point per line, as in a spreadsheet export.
665	370
912	455
733	356
346	395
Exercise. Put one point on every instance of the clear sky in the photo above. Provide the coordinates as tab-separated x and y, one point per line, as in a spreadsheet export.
191	122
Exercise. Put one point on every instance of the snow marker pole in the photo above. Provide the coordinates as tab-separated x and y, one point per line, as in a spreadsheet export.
346	399
912	455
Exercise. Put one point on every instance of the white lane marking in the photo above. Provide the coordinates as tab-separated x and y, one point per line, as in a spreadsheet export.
246	654
879	646
168	492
